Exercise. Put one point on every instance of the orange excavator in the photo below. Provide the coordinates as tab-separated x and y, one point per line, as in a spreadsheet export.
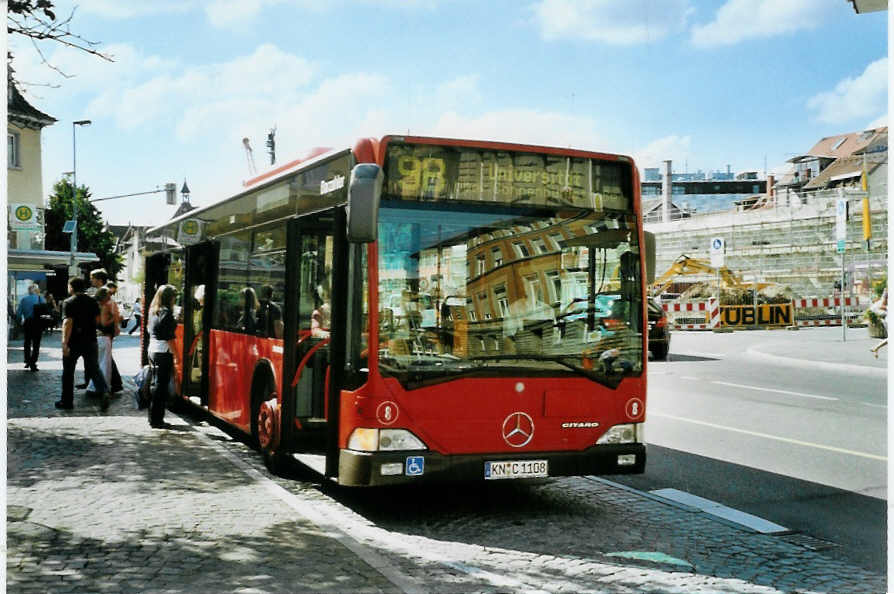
686	265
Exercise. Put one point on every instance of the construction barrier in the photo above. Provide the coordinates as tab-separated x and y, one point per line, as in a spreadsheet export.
696	315
853	311
707	315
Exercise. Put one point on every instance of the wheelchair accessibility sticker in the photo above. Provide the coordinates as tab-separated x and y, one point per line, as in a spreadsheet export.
415	465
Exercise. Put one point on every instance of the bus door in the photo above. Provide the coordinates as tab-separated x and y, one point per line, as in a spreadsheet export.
314	244
198	296
157	266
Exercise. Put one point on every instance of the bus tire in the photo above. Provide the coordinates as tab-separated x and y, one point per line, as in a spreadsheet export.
262	390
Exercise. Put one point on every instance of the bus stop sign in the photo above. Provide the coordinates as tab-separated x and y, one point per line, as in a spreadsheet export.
717	251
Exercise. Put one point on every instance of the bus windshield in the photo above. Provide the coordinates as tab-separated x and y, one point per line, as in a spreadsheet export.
526	290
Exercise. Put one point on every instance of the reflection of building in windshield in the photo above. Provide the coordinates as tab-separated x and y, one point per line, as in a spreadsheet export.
516	287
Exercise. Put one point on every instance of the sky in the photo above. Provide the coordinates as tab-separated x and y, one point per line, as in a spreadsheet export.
710	84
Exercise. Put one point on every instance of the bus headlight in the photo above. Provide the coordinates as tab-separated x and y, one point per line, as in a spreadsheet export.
364	440
399	439
629	433
381	440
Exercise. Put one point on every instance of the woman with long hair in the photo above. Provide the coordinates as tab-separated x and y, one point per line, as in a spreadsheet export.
106	330
162	325
248	320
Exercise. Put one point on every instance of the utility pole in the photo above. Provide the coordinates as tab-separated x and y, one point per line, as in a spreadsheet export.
74	192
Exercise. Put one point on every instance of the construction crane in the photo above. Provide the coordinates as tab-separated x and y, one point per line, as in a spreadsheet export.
249	155
686	265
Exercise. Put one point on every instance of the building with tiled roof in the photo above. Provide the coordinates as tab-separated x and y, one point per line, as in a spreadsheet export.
827	151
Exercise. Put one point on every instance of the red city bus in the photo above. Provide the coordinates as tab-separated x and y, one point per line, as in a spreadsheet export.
420	309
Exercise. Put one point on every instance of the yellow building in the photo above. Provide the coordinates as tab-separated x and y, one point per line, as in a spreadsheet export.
28	262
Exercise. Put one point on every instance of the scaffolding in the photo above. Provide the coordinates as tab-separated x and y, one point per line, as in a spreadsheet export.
792	243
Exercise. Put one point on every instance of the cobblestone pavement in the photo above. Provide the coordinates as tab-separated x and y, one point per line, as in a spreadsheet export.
99	502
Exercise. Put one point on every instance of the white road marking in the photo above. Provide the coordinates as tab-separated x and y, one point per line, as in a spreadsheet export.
690	377
876	405
774	437
775	390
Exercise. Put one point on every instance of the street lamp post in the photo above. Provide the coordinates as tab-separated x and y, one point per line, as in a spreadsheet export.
74	189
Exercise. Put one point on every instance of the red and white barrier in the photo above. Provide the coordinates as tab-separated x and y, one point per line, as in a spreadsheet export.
825	302
687	314
710	310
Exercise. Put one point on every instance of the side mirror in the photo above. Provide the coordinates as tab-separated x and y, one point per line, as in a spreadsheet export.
649	240
364	194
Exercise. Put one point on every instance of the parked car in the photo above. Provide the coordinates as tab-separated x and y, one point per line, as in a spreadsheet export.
659	331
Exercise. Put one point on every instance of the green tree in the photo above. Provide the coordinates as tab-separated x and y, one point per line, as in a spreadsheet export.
92	235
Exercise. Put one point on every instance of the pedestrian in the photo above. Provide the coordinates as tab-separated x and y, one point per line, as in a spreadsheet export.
136	316
250	304
162	326
12	319
54	310
106	331
100	278
81	313
29	316
116	385
880	307
269	315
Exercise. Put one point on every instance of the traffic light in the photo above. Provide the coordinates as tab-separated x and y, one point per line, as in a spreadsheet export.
171	193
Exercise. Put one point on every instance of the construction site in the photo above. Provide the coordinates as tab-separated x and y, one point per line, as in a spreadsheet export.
783	243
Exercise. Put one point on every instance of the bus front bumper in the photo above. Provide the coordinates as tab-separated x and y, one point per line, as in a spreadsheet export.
397	468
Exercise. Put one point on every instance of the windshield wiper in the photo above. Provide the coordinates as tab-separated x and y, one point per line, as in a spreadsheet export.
552	358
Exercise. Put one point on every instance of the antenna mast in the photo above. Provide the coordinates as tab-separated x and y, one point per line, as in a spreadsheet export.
271	145
249	156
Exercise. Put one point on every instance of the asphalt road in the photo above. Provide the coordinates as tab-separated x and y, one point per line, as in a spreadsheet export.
802	445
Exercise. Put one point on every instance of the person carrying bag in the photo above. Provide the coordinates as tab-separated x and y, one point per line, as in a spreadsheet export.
162	326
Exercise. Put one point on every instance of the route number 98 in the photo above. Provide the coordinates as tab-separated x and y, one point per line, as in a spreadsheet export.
422	177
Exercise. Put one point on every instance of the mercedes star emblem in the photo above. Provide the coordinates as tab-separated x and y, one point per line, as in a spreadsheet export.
518	429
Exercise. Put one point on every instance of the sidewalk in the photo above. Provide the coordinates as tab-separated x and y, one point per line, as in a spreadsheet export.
103	503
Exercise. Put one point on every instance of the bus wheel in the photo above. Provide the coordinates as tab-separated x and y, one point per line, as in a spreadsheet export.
268	425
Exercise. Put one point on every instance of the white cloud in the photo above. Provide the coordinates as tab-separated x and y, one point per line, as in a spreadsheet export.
259	80
459	92
620	23
676	148
85	73
862	97
738	20
525	126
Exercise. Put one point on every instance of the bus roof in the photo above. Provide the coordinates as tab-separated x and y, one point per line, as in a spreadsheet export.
371	149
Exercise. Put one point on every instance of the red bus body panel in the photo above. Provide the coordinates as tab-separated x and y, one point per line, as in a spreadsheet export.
234	358
465	416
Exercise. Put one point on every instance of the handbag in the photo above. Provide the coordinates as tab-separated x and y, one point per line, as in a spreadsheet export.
145	381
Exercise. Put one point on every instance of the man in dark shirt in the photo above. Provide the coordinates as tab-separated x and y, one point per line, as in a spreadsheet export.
79	340
269	315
